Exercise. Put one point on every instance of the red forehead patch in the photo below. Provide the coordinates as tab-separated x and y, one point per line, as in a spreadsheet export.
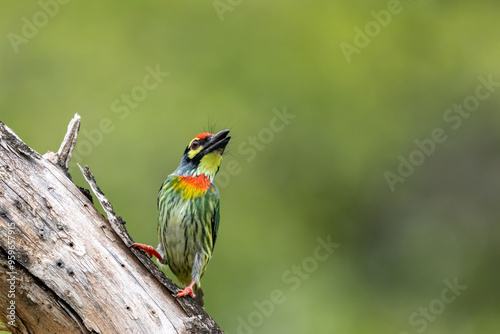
204	135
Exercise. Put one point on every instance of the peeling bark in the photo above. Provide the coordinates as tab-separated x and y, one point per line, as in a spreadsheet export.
74	269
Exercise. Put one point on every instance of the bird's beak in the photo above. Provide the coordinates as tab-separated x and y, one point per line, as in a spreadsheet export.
218	142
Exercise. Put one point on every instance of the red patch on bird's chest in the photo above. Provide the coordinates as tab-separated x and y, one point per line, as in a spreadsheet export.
200	181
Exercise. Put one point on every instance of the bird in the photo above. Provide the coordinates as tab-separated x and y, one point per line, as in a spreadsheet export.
188	212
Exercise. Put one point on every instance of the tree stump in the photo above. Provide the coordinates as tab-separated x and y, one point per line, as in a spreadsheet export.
64	267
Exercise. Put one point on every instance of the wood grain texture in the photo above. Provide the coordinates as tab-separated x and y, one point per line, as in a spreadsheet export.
74	268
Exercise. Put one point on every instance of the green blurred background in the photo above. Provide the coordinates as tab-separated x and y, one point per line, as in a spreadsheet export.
320	174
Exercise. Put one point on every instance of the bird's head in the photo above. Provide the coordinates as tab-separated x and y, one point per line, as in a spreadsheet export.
203	155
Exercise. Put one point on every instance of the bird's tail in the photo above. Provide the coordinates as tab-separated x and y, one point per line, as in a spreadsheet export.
199	297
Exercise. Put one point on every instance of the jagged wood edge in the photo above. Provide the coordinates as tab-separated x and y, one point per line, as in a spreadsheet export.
67	146
63	155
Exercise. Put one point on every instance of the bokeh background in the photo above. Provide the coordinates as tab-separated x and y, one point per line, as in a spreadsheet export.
321	173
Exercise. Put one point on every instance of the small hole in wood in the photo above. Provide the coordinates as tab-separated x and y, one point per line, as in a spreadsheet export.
128	308
71	244
18	205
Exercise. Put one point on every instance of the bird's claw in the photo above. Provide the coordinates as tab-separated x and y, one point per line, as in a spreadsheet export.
188	290
148	249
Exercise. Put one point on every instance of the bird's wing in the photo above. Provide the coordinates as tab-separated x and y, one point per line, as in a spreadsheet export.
160	193
215	223
162	210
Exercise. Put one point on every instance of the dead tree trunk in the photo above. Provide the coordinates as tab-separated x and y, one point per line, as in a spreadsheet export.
65	268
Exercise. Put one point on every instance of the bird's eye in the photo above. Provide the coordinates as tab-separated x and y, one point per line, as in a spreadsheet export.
195	144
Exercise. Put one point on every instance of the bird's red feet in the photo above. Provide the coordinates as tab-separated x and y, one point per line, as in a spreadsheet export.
188	290
149	250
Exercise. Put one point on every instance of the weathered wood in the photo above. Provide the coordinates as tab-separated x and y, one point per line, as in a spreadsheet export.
63	156
74	270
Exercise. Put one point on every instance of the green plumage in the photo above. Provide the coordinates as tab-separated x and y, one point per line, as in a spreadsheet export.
187	229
